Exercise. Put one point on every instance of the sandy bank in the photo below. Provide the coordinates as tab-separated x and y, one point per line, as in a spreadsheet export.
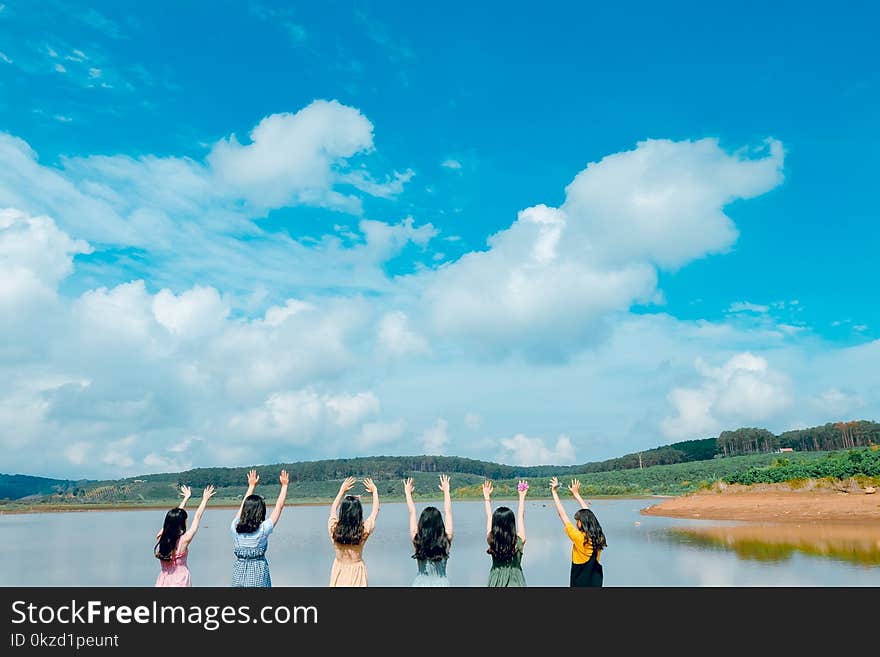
772	503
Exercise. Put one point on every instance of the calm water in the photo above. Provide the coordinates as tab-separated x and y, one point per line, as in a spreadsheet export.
115	549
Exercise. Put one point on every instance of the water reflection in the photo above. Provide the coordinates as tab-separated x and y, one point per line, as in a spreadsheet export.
769	542
115	549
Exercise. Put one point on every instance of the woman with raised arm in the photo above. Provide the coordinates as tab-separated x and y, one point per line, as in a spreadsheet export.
506	536
587	538
173	541
349	531
431	537
250	534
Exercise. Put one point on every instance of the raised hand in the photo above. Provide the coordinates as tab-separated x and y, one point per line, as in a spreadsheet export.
284	478
185	491
487	490
575	487
369	485
522	487
444	484
554	484
409	486
253	478
208	493
347	485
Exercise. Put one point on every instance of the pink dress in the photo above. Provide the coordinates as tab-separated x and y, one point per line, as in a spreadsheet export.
174	572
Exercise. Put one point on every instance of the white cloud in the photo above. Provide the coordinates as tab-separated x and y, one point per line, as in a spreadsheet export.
451	163
194	313
35	256
547	283
291	157
473	420
5	58
277	349
397	339
303	416
379	433
77	453
745	306
745	390
522	450
117	453
435	438
835	404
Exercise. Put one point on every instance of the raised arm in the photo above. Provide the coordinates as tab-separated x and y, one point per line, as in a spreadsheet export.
253	480
522	487
554	485
487	498
575	488
447	505
207	494
371	488
282	495
186	492
408	486
344	487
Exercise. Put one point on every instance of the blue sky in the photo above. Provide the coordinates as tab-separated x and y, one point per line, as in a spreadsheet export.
751	130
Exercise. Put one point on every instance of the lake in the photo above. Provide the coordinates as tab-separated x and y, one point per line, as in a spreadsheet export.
114	548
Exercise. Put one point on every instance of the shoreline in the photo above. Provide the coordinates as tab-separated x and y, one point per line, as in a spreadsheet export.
772	504
226	504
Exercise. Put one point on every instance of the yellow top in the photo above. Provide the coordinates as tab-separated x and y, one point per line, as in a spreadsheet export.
580	553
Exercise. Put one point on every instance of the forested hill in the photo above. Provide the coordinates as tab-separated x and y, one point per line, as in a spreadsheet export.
17	486
395	467
311	477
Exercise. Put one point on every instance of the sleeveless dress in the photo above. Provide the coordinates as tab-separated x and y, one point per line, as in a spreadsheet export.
175	572
251	568
587	574
349	568
431	573
585	567
508	573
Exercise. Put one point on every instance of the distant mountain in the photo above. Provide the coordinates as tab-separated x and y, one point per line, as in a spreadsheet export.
317	479
17	486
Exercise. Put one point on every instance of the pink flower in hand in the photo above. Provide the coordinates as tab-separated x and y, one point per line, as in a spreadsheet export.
523	485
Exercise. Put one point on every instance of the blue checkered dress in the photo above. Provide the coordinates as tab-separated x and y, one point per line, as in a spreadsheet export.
251	568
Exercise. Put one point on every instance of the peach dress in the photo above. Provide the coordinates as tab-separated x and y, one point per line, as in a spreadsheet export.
349	568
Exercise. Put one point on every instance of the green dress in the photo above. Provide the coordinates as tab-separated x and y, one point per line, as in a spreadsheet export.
508	573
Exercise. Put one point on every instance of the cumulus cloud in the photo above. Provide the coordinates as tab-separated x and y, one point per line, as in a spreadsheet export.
744	390
193	313
268	350
835	404
302	416
35	256
396	338
435	437
373	434
522	450
473	420
546	284
290	157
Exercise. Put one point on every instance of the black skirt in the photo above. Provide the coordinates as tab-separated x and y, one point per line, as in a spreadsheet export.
587	574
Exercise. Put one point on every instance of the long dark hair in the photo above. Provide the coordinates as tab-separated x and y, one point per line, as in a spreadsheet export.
172	530
253	513
502	538
349	529
592	529
431	542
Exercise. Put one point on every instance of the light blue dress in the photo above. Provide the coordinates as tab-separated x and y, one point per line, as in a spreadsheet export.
431	573
251	568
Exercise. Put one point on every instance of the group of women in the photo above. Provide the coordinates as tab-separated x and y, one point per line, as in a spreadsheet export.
430	533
